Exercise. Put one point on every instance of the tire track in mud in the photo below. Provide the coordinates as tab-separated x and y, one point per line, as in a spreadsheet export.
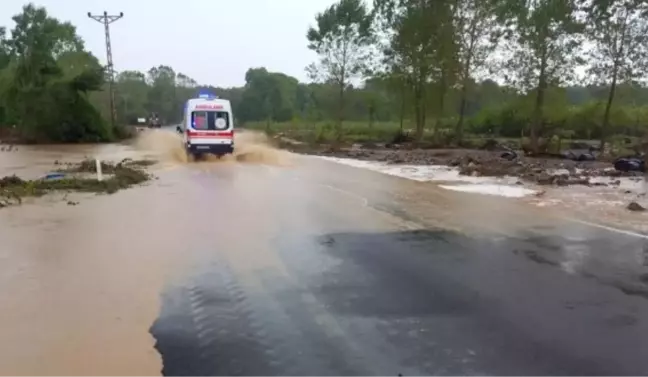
206	327
214	325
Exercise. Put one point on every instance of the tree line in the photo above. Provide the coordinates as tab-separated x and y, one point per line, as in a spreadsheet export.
513	68
46	75
437	53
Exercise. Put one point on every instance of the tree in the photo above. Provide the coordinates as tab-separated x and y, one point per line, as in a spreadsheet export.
420	49
342	39
47	80
36	33
543	36
162	98
477	32
133	95
619	31
268	95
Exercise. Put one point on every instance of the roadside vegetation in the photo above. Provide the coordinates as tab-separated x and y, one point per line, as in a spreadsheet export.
76	177
542	73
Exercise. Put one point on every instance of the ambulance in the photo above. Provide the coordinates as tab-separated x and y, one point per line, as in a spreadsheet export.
207	126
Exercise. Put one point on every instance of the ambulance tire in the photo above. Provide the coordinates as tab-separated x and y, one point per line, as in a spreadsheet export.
191	157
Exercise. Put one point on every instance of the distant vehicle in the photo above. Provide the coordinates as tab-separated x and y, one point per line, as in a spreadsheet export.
207	126
154	121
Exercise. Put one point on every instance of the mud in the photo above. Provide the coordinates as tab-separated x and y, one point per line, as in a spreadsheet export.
541	171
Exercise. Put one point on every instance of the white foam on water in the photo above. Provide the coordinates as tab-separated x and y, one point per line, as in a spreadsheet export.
492	189
439	173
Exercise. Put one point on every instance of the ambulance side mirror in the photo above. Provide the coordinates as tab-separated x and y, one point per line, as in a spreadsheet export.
178	129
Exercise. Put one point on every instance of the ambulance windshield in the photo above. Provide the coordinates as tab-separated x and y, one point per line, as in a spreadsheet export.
210	120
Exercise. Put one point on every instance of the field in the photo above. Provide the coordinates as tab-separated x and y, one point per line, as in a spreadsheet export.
380	133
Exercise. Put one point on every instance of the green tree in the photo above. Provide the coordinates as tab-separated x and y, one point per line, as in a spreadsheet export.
477	33
48	80
342	39
268	96
420	49
162	97
133	95
619	30
544	37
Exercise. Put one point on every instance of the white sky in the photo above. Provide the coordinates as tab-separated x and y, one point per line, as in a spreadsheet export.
212	41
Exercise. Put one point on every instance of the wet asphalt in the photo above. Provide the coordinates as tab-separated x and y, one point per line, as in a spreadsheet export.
322	269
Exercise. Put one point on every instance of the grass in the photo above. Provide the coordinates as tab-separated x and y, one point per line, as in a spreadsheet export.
318	133
118	177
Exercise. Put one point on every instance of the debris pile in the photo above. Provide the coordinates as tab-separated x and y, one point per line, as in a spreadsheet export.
75	177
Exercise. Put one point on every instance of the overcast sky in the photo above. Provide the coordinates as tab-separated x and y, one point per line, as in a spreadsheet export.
212	41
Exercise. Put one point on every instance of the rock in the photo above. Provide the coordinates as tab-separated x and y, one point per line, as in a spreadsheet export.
586	157
629	164
561	180
509	155
540	193
545	179
578	181
635	207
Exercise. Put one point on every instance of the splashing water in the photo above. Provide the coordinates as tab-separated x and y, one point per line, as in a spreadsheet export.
250	147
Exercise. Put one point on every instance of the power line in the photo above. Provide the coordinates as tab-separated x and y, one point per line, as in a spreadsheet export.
106	20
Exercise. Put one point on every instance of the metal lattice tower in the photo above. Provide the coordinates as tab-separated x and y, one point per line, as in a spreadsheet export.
107	19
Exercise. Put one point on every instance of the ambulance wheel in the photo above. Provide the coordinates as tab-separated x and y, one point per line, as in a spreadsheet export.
191	157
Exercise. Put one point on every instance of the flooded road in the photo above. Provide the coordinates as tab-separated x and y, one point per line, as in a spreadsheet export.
269	263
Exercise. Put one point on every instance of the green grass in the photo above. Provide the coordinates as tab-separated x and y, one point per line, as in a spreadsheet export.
384	132
324	132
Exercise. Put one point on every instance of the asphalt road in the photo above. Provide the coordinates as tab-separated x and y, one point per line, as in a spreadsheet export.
322	269
316	269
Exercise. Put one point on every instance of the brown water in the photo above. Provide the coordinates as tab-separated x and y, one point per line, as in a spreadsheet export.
80	285
250	147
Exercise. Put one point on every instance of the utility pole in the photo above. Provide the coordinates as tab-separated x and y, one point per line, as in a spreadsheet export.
107	19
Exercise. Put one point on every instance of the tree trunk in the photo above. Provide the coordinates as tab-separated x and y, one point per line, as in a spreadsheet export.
442	94
419	111
340	112
538	112
608	108
402	109
462	111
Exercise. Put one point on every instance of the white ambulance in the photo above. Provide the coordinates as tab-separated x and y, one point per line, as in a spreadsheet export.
208	126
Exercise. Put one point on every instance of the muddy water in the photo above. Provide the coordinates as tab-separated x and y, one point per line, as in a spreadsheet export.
80	285
251	147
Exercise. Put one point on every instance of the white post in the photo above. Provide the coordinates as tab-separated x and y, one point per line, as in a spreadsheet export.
99	174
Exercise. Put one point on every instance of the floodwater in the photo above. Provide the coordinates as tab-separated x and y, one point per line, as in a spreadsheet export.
234	266
605	203
81	284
